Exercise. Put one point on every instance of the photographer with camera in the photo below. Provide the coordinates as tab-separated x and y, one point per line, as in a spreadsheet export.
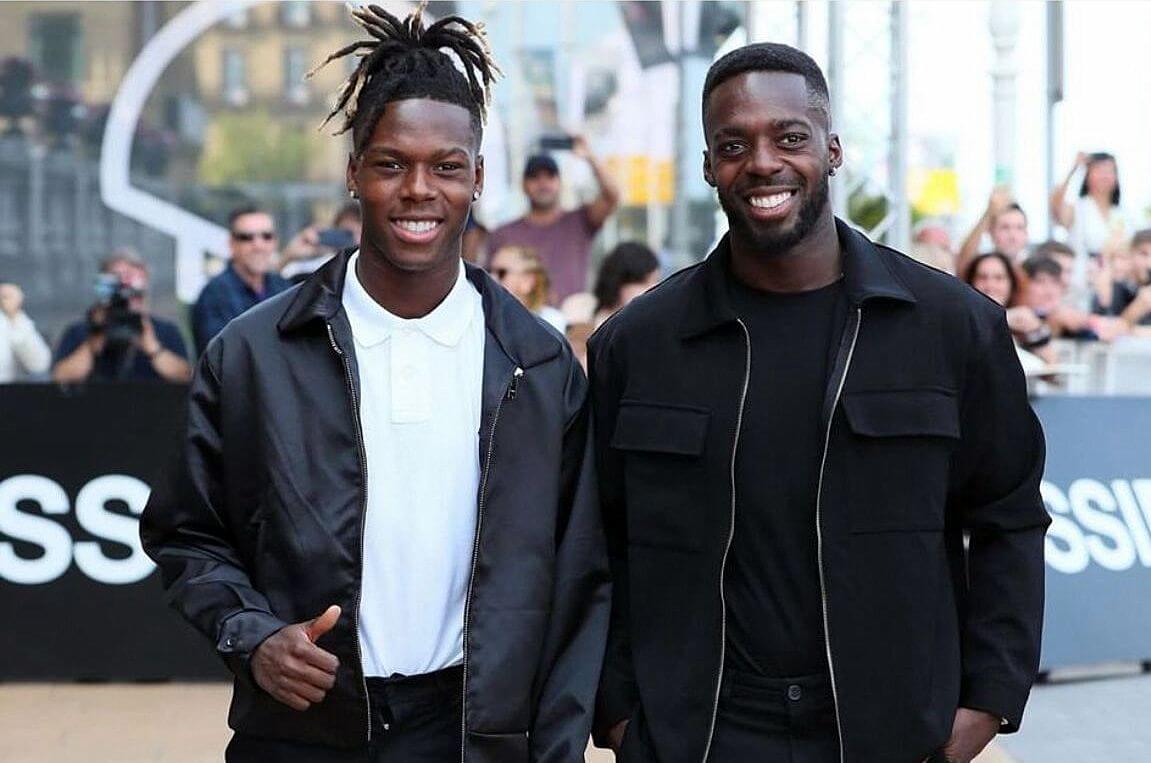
119	340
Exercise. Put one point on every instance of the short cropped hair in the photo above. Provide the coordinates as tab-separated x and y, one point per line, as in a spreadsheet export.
1050	248
246	209
1040	265
771	57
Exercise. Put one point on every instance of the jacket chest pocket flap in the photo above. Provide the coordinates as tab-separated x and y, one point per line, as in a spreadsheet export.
926	412
664	473
660	428
898	461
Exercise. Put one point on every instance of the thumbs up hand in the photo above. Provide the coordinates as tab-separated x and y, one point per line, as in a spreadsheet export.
322	624
289	666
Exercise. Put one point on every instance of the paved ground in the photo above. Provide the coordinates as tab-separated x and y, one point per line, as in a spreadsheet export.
152	723
1090	721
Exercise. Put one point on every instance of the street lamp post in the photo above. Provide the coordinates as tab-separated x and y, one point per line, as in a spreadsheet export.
1004	26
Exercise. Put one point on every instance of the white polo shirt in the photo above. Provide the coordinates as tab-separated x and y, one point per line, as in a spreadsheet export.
421	382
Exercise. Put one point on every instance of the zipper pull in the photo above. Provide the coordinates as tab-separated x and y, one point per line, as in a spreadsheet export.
513	388
332	339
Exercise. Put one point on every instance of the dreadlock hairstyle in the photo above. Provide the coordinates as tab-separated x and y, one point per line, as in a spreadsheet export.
403	59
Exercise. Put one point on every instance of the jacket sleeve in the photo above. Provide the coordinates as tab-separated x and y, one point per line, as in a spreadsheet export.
577	626
995	493
185	531
618	697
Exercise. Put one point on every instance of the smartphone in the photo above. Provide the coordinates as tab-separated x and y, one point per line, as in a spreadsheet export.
556	143
336	238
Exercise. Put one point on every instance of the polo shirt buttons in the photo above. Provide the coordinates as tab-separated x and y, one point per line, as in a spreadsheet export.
795	692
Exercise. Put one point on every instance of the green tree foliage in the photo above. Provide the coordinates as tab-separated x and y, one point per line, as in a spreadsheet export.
253	147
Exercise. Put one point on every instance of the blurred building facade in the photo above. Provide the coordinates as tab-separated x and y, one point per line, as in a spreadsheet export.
251	74
234	119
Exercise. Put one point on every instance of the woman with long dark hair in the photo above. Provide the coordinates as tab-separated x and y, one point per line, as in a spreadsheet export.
995	276
1094	217
628	271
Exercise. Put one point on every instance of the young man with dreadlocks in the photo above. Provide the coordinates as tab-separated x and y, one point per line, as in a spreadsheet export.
385	515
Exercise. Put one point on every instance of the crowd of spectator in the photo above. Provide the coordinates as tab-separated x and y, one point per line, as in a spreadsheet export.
1094	284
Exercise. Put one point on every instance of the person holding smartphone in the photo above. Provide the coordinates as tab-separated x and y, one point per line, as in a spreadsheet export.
563	238
314	245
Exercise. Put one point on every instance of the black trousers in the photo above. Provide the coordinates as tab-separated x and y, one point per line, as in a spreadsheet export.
415	719
759	720
775	720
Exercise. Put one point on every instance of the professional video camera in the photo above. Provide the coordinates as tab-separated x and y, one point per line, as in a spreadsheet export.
112	315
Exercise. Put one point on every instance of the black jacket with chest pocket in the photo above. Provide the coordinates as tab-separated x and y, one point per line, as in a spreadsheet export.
261	523
929	435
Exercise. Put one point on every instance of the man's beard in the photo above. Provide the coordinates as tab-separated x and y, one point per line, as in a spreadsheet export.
544	205
776	241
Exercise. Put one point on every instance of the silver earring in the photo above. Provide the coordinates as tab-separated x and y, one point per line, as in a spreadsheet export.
352	193
476	195
831	171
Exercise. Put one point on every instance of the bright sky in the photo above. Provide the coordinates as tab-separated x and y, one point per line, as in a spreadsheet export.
1106	107
1107	104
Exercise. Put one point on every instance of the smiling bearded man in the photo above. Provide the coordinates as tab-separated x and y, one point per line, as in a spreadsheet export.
384	518
793	438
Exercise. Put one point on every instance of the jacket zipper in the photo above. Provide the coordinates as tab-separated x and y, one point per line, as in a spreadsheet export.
510	394
362	451
727	548
819	530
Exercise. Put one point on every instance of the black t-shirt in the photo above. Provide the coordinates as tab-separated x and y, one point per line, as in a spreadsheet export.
774	604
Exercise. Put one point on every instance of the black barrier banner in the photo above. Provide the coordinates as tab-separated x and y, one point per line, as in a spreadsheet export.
1097	487
80	598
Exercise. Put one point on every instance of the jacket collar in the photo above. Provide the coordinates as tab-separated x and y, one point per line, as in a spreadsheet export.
445	325
516	330
866	274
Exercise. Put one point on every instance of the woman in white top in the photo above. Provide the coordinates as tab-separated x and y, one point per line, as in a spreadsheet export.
22	350
521	271
1094	217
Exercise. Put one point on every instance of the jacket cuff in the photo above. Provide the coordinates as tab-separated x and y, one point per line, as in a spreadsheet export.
996	698
613	704
240	634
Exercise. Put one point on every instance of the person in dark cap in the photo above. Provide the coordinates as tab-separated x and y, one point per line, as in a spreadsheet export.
562	238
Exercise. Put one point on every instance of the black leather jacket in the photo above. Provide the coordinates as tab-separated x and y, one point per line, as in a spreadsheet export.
261	523
928	436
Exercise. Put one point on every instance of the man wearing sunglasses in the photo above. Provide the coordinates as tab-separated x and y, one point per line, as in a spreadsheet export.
249	279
